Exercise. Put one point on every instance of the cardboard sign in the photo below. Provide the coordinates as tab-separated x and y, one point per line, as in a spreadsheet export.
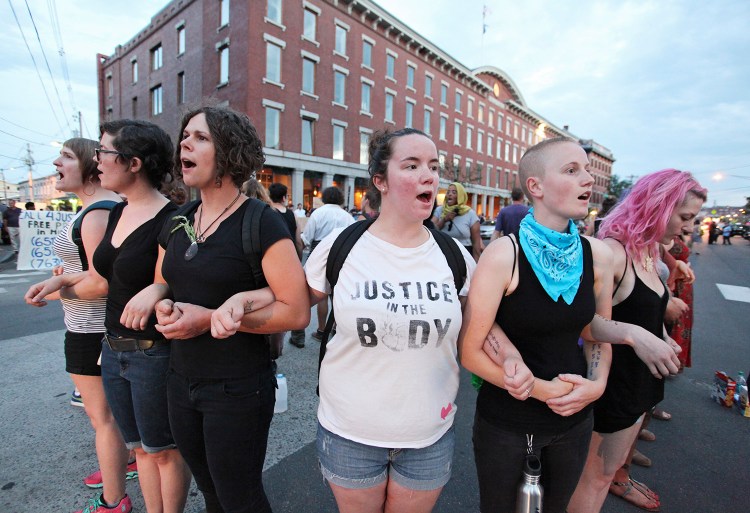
38	229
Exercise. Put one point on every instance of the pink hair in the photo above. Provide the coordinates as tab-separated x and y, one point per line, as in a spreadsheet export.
640	220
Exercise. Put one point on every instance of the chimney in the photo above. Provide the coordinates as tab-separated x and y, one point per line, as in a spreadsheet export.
566	127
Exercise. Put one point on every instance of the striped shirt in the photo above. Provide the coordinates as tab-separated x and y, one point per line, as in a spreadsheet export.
81	315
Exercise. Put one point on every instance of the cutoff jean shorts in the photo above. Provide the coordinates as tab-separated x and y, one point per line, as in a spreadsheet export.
353	465
135	383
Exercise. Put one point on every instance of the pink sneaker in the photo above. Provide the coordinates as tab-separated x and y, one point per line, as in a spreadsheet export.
96	505
95	480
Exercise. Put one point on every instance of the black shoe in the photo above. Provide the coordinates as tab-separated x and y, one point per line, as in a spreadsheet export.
297	342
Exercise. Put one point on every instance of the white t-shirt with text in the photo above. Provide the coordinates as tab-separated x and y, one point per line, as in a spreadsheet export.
390	374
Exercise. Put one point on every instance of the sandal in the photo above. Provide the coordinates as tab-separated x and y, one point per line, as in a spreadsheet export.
651	503
645	490
661	415
646	435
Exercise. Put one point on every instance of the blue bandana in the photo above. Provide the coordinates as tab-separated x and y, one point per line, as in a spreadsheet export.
557	258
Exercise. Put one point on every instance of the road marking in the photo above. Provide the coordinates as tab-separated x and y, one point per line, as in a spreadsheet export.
11	282
734	293
16	275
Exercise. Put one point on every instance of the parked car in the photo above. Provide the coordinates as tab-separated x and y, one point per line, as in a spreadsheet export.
486	229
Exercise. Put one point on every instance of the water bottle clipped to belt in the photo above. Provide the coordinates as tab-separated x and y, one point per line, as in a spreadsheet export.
529	498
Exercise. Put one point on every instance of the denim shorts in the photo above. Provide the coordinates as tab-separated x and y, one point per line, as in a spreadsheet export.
135	383
354	465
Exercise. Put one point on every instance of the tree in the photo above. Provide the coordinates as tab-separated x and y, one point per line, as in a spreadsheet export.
747	205
617	186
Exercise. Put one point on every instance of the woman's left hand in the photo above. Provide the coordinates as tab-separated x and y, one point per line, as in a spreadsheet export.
137	312
584	392
191	321
227	319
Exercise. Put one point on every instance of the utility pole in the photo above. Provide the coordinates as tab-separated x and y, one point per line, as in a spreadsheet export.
80	125
29	161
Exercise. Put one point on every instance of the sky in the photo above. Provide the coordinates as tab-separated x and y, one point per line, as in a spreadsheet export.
660	83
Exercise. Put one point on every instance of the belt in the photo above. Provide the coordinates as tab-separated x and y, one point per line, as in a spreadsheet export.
121	344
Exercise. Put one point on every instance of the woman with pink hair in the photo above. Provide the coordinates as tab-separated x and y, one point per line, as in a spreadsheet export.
660	206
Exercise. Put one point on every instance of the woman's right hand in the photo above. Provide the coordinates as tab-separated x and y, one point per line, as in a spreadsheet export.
37	293
227	319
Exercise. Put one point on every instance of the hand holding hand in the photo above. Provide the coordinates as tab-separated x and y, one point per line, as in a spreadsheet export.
583	392
37	293
185	321
658	355
519	381
227	319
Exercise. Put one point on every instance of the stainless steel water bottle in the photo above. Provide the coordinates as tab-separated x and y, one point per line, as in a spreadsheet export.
529	499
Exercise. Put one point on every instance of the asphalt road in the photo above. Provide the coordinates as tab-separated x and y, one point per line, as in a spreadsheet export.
700	457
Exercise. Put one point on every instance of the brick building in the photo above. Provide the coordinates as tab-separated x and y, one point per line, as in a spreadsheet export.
318	77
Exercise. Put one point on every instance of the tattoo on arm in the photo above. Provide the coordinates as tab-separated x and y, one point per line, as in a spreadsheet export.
596	356
248	307
494	343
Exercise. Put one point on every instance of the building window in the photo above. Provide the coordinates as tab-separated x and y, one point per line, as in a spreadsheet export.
156	57
469	136
458	101
457	133
470	107
181	87
310	25
480	138
223	65
515	154
273	62
134	108
308	75
181	40
273	117
364	148
507	151
523	134
223	12
308	127
444	94
490	141
340	43
443	123
491	118
428	86
508	125
134	70
515	130
110	86
338	142
389	101
410	71
480	116
156	100
390	66
339	87
408	123
366	93
427	121
273	12
367	53
499	150
499	122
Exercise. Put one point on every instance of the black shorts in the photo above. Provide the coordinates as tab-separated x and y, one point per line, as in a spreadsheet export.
82	352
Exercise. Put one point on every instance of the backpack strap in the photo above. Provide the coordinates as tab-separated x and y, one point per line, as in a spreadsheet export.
76	229
453	255
251	239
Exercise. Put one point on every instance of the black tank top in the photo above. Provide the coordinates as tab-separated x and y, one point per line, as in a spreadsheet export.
631	388
546	333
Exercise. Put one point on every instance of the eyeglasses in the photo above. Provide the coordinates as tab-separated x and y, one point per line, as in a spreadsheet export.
98	151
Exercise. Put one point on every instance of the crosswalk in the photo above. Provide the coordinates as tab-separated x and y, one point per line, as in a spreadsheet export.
19	277
734	293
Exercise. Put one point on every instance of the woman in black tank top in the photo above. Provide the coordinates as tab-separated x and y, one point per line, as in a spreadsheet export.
660	206
555	286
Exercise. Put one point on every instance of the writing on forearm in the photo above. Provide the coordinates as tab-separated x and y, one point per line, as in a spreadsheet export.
596	357
494	343
248	306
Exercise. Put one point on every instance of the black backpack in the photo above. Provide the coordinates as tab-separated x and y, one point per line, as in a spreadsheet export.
76	229
345	242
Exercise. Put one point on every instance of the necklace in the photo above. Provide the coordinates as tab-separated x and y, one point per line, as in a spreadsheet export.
192	250
648	264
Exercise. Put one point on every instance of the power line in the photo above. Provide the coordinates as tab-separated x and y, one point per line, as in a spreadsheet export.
25	140
49	101
49	69
23	127
52	7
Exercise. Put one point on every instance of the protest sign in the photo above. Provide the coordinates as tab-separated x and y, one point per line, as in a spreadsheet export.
38	229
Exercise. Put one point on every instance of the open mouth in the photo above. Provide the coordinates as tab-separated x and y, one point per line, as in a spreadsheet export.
187	164
60	175
425	197
585	196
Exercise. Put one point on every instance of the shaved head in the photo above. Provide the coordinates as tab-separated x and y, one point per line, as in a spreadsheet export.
534	161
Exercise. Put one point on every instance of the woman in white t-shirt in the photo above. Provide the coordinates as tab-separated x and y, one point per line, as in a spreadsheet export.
390	374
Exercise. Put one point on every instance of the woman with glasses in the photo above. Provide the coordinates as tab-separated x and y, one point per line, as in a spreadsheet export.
134	158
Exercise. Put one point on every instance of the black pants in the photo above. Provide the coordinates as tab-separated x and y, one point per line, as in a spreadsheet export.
221	429
499	455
